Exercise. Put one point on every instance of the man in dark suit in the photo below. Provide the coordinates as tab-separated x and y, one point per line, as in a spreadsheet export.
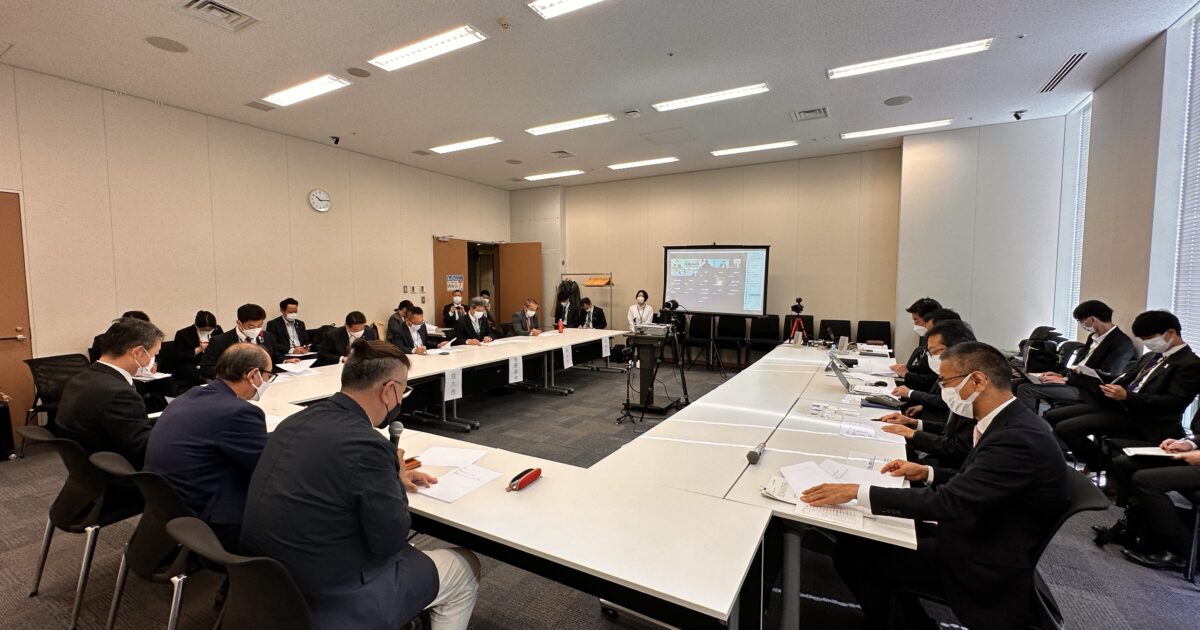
249	329
328	501
1145	402
100	408
917	362
940	436
591	316
475	328
525	321
95	351
336	344
207	442
291	337
397	322
565	312
1107	351
993	514
190	344
1164	539
414	338
454	311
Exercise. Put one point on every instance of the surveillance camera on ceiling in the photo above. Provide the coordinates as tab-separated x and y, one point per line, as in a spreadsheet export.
1017	115
335	139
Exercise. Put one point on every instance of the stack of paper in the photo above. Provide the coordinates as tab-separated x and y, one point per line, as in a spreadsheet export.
153	376
301	368
805	475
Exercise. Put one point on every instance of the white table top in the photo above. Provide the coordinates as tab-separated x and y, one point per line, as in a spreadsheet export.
682	547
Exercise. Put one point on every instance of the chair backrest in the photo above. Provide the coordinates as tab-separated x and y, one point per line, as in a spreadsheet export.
168	358
81	499
872	330
832	329
700	327
1082	496
50	374
317	336
262	594
731	326
1066	350
765	328
151	550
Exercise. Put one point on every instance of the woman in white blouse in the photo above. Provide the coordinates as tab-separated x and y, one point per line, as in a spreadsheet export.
640	313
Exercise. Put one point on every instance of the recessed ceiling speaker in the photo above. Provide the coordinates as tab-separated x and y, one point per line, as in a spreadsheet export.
358	72
169	45
898	100
513	162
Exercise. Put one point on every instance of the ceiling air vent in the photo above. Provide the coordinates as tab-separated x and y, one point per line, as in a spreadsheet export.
809	114
1063	71
422	152
560	154
219	14
262	107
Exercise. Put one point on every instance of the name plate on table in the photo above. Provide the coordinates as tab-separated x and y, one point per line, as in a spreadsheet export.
605	350
453	390
516	370
568	357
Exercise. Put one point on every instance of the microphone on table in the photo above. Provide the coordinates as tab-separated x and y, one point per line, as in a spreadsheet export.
394	430
755	453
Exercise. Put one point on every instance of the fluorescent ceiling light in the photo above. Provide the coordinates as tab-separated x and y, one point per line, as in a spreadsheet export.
899	129
554	8
460	37
466	144
535	178
910	59
704	99
570	124
307	90
666	160
757	147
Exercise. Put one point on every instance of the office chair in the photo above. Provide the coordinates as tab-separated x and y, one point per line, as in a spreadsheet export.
731	333
833	329
764	334
699	334
874	331
50	376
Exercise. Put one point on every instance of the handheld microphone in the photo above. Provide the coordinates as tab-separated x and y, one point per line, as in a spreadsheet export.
394	430
754	454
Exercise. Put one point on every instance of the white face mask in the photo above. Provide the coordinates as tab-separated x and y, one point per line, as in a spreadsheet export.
530	314
920	330
259	390
641	300
1088	329
291	317
935	363
457	300
964	408
476	315
204	335
1156	344
356	335
144	370
252	333
416	327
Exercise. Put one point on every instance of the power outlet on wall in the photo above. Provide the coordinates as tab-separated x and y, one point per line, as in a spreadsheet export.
422	299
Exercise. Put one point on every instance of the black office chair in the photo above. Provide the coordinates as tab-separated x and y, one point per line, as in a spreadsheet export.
1189	571
699	333
86	503
874	331
731	333
150	553
262	594
317	336
50	376
1066	351
805	320
764	335
834	329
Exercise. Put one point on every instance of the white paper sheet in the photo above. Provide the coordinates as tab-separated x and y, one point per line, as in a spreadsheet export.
301	367
1152	451
458	484
861	476
450	457
153	376
568	358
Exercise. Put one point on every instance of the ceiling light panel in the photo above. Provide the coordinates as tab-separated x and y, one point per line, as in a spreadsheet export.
554	8
756	147
307	90
899	129
704	99
466	144
570	124
911	59
449	41
625	165
537	178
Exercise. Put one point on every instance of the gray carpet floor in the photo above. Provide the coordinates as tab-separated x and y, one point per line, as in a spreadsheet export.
1096	588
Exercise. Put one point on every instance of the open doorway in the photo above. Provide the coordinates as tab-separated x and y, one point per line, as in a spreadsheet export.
481	268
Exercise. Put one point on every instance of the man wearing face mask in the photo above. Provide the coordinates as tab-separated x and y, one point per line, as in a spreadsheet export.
398	322
291	337
190	344
208	441
486	296
1145	402
100	408
1107	351
918	364
476	328
414	339
525	321
591	316
454	311
337	343
328	501
564	312
251	319
993	513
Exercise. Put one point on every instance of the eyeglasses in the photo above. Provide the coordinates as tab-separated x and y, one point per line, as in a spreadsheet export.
267	377
407	390
943	381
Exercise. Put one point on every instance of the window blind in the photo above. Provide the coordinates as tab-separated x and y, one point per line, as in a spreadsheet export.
1186	295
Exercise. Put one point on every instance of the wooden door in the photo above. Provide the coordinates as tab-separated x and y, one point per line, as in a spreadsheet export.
519	276
449	260
15	345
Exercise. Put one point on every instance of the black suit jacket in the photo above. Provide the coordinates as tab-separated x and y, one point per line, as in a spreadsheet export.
1159	405
187	362
1112	355
395	324
407	343
570	319
464	330
278	329
919	375
327	502
336	344
993	514
101	411
518	323
220	343
206	444
598	320
450	315
946	442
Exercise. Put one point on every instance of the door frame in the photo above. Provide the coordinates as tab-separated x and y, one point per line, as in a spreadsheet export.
25	253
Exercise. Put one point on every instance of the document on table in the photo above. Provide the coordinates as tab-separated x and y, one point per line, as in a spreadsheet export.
302	367
872	349
805	475
872	390
842	515
297	355
1153	451
858	429
459	483
450	457
876	366
153	376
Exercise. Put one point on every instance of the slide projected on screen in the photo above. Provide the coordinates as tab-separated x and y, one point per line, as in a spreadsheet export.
724	280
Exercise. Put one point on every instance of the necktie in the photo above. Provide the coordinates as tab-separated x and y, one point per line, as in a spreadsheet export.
976	435
528	327
1141	377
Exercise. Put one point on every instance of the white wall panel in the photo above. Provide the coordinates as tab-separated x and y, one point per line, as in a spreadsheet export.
376	225
322	247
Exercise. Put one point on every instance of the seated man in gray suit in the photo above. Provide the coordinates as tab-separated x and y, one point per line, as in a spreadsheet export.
327	500
525	321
